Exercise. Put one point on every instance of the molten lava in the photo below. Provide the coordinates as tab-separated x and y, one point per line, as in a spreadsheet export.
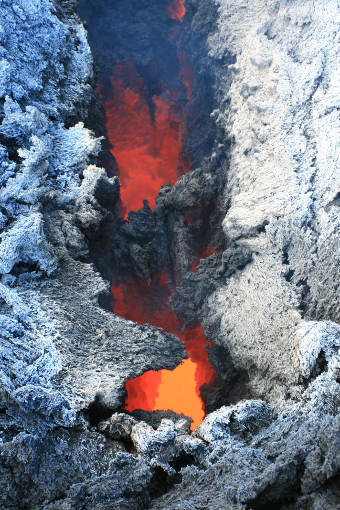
178	389
146	136
146	139
177	10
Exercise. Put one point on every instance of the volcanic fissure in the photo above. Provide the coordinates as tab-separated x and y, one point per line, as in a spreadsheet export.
149	103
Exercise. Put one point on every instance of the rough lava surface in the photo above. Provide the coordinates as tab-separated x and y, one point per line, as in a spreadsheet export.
269	301
60	351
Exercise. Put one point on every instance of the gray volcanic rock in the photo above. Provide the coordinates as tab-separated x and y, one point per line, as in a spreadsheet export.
119	426
266	198
52	200
273	314
260	457
122	487
38	468
282	183
59	349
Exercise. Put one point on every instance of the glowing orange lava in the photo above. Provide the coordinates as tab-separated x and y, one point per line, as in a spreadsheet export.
177	10
146	135
178	389
147	141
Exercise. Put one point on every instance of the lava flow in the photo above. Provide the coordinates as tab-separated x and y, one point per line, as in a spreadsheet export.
178	389
146	136
146	139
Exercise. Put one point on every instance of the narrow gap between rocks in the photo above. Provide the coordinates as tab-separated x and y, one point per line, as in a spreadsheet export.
158	128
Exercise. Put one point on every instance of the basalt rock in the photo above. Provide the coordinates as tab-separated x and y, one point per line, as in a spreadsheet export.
262	195
262	457
61	352
281	185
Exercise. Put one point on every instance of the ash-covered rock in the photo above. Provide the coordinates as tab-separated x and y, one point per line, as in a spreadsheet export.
118	427
270	313
154	418
279	107
123	487
260	456
59	348
240	420
38	468
263	195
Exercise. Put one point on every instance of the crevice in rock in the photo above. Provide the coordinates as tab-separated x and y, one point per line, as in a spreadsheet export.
161	482
60	341
304	294
182	461
98	411
185	228
320	365
12	147
335	201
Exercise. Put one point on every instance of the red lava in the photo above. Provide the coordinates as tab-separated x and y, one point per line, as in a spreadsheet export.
147	145
178	389
177	10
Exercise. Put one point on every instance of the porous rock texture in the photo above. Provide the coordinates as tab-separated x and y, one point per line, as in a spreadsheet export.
268	302
60	350
275	317
283	182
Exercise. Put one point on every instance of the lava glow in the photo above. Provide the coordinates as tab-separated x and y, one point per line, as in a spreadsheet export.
178	389
146	139
177	10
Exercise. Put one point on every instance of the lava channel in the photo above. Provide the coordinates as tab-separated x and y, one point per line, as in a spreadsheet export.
178	389
147	144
